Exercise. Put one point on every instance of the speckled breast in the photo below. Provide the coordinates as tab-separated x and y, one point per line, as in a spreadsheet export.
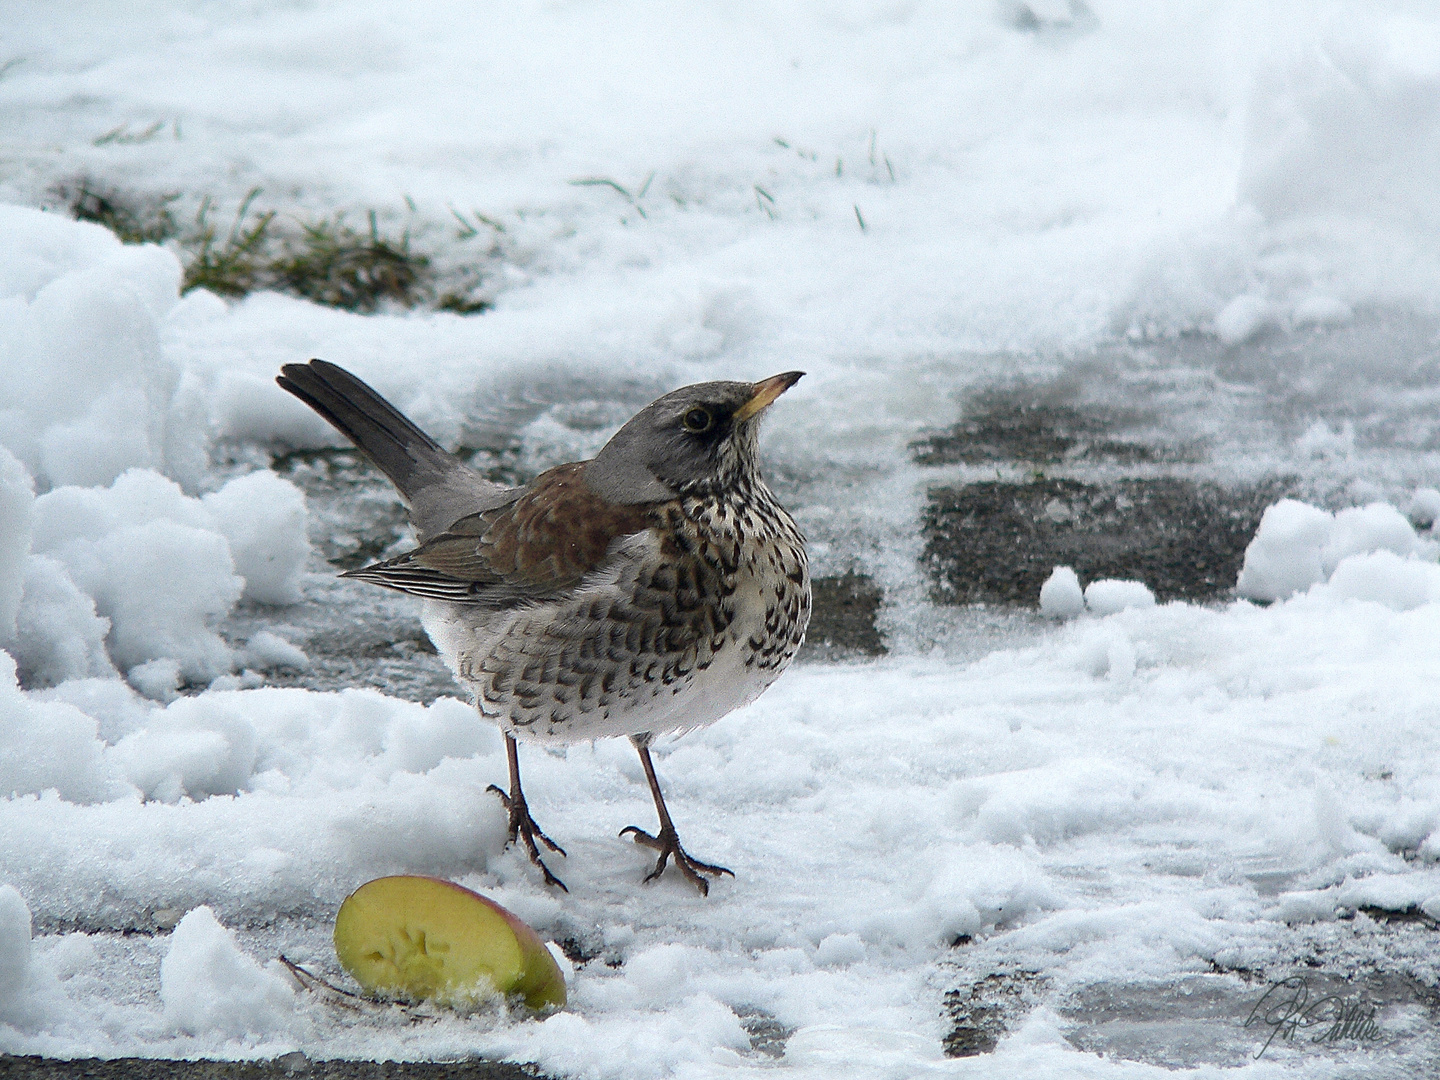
760	557
693	618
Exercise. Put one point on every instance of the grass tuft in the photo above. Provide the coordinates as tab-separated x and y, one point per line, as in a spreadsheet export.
135	220
325	260
333	264
235	266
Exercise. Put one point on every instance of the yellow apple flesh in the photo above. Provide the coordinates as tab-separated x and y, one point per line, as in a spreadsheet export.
424	938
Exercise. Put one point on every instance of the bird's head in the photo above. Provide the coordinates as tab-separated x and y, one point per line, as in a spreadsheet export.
694	440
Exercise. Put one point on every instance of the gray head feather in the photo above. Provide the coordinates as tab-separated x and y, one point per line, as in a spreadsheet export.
687	441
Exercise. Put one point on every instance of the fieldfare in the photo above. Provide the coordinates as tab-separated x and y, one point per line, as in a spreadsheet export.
651	589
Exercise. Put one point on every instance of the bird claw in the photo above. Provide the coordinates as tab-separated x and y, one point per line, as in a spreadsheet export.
668	844
523	827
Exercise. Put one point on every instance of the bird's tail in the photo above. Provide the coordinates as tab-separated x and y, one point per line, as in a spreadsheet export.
432	481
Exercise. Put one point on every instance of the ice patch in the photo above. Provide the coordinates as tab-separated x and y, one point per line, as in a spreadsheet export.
14	948
210	987
858	1050
17	520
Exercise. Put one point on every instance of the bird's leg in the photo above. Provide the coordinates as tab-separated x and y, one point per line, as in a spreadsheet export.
522	825
667	842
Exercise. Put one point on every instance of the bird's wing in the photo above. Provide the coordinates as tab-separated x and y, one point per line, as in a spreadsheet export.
437	486
537	546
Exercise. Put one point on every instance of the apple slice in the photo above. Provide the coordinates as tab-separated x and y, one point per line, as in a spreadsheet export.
421	937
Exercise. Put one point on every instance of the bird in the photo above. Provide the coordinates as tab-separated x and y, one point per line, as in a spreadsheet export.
651	589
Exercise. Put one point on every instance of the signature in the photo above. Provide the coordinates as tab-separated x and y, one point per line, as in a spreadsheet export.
1286	1009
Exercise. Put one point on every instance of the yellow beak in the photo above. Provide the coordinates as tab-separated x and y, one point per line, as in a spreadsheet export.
765	391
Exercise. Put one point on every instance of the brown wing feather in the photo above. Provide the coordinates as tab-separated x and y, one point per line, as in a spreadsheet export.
541	544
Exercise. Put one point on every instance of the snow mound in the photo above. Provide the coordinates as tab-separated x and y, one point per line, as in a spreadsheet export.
209	986
1047	804
268	651
263	517
1108	596
1425	507
1298	546
1243	318
162	567
1060	596
1383	577
136	571
194	748
88	386
47	745
1341	141
58	635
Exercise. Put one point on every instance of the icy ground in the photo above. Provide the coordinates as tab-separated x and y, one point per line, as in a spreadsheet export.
1083	844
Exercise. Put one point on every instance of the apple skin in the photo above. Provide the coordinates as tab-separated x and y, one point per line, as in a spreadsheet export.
424	937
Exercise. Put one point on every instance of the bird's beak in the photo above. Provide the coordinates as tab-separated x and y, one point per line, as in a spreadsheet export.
765	391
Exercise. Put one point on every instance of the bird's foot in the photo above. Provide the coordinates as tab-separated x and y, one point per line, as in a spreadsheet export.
523	827
668	844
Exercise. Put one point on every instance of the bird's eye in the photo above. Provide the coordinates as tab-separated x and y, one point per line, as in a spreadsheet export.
698	420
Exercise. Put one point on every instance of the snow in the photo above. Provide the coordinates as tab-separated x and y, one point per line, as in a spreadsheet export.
1060	596
50	746
268	651
262	517
1365	551
209	986
1107	596
1220	218
1245	739
90	388
162	568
